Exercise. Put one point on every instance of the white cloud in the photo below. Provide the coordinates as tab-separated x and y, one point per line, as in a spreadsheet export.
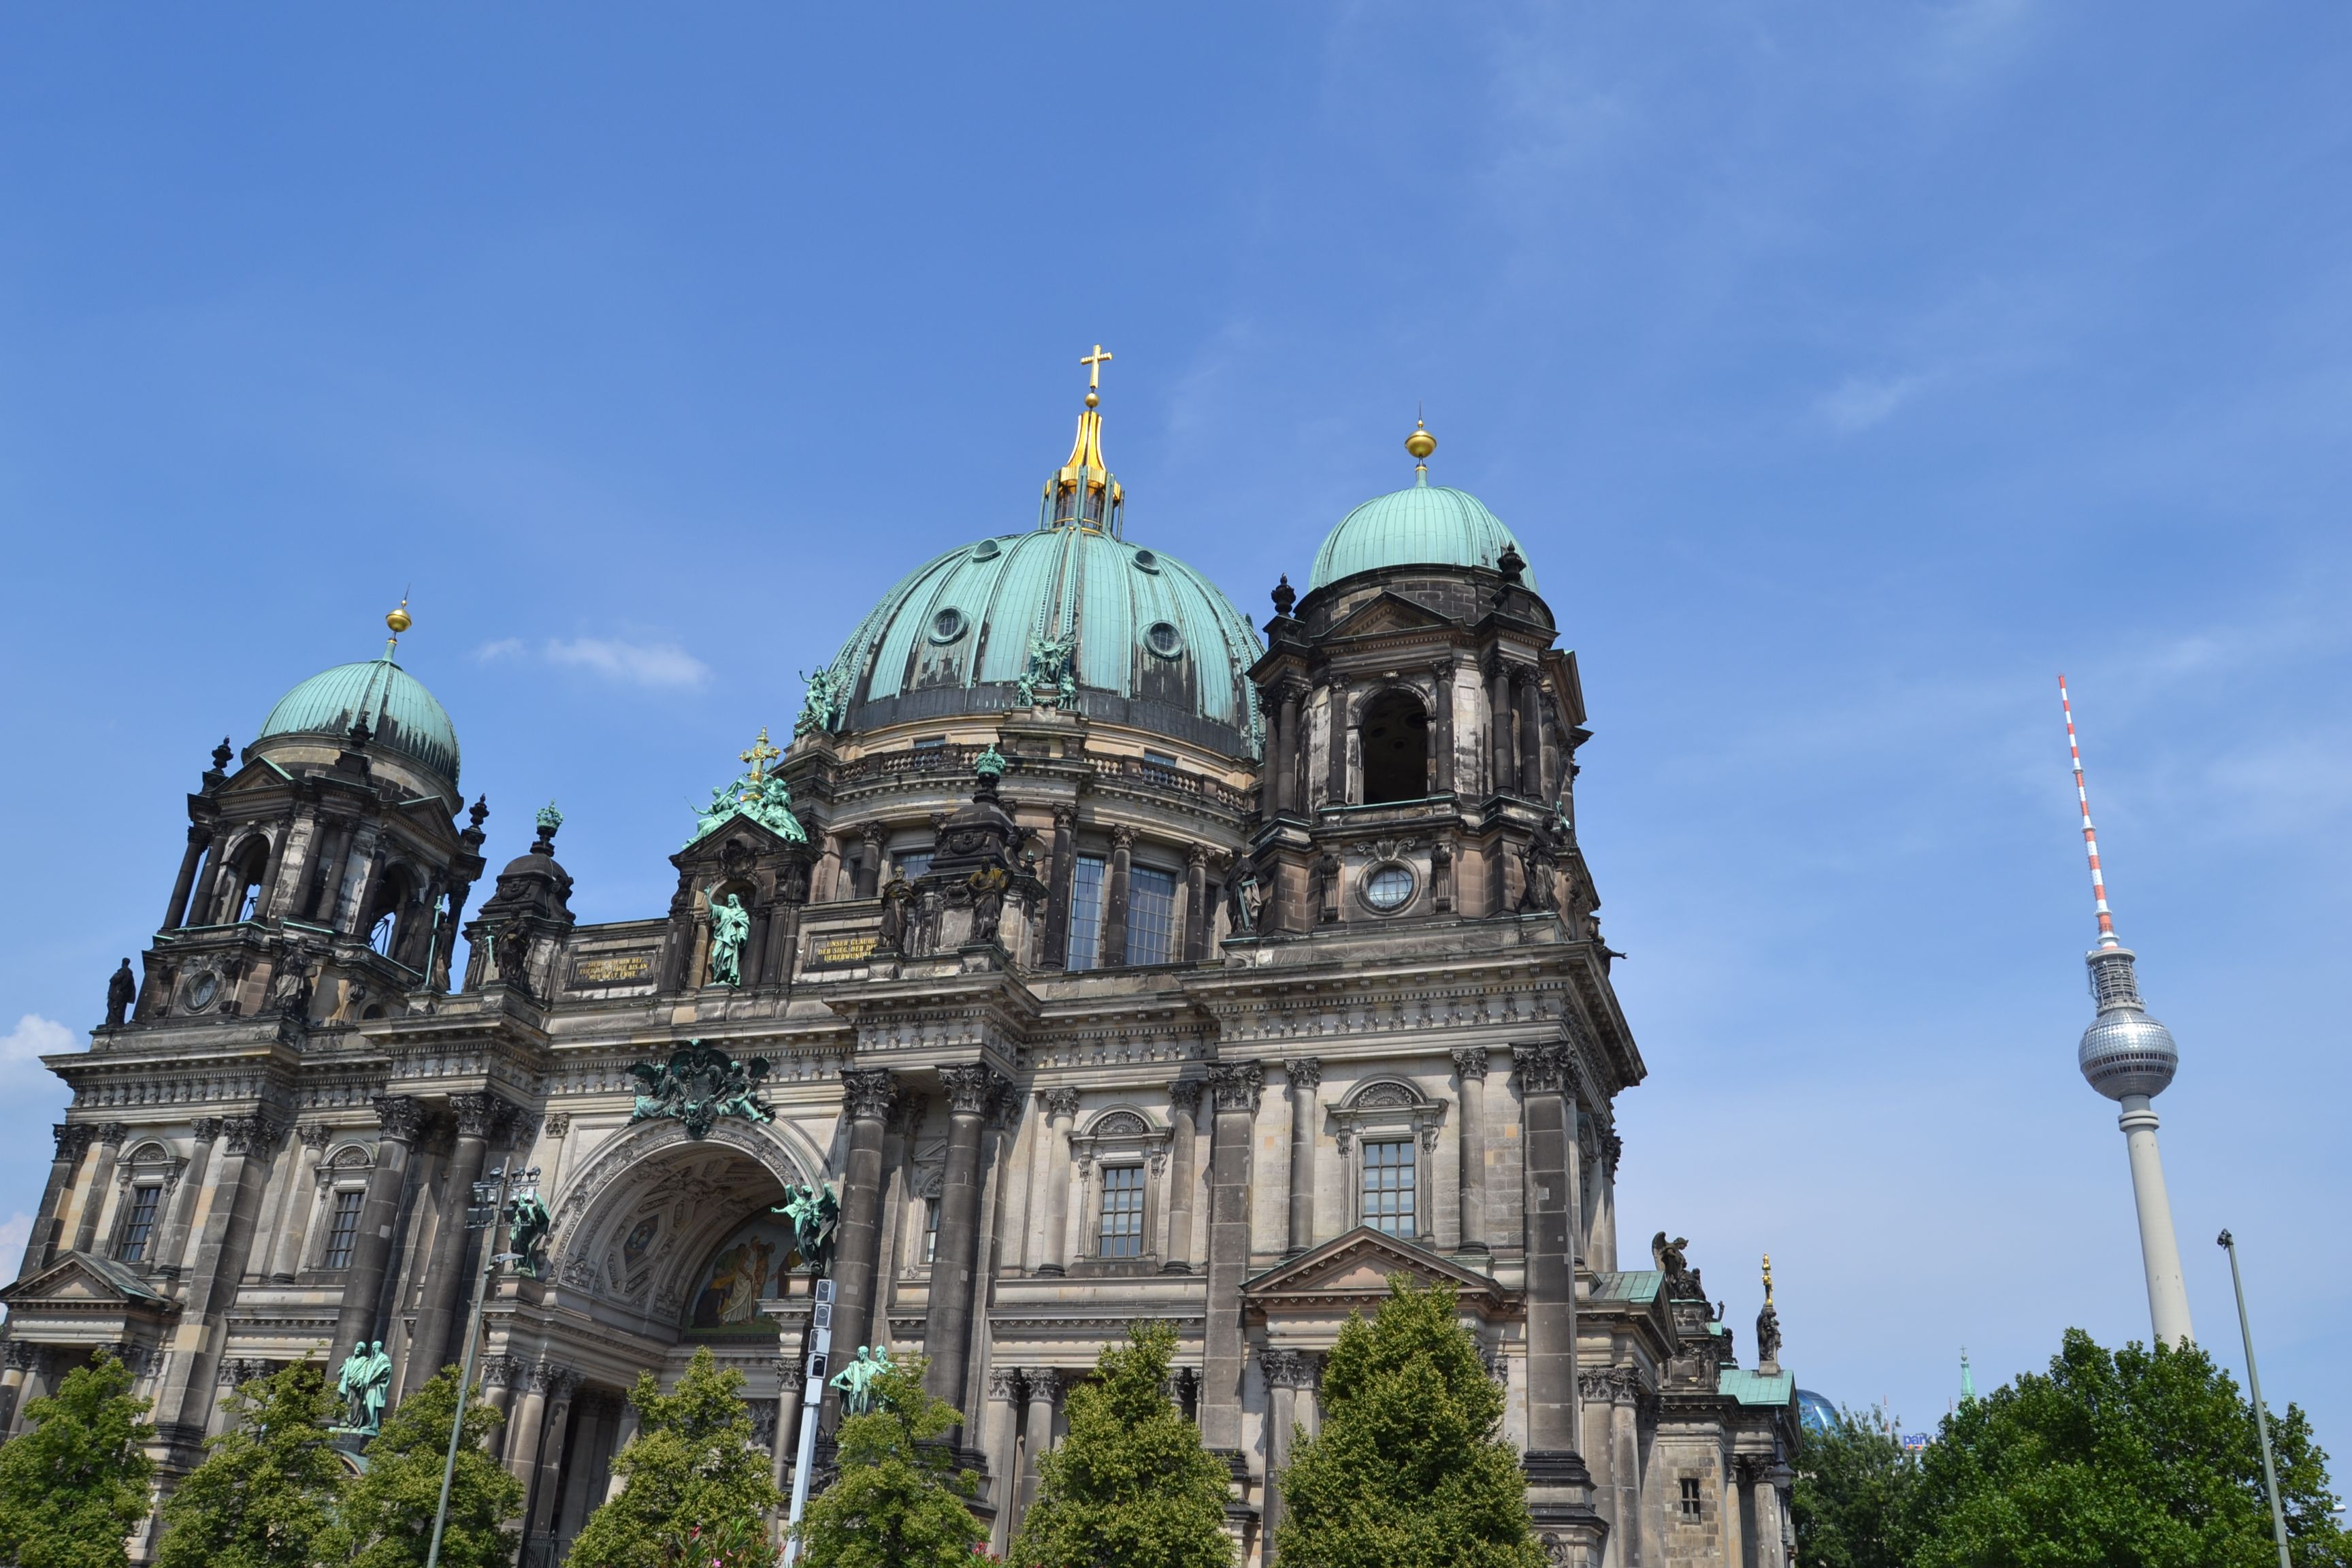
34	1037
504	647
1859	402
14	1231
656	665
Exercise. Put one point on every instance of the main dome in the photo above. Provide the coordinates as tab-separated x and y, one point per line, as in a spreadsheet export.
1420	525
404	716
1151	642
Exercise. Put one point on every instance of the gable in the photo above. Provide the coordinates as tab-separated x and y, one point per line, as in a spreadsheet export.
1352	1271
78	1278
1386	612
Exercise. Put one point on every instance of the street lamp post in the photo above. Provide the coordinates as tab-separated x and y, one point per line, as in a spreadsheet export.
491	1198
2255	1389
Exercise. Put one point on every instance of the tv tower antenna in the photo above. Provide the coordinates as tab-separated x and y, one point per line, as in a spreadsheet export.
2131	1057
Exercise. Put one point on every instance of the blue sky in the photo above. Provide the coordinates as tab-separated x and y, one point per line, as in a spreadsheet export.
1848	371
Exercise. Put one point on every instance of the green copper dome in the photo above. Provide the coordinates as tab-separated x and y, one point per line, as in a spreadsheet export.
404	716
1141	638
1424	525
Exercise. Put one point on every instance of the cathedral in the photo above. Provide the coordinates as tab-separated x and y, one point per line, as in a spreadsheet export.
1111	957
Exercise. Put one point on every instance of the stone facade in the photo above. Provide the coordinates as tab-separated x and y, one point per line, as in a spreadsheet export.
1151	1025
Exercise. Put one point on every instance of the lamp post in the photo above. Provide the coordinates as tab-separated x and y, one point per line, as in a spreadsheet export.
2254	1388
491	1197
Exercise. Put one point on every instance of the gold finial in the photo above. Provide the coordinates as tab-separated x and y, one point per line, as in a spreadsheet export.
398	620
760	755
1420	443
1094	364
1767	1278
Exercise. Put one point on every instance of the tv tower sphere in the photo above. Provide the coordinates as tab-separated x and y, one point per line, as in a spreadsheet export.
2125	1052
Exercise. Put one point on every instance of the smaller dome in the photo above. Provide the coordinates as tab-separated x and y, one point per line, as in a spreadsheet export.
404	718
1420	525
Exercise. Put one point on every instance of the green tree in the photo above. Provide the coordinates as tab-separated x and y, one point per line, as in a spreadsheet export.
1853	1488
897	1502
73	1485
693	1478
2144	1458
386	1517
1131	1487
264	1495
1408	1470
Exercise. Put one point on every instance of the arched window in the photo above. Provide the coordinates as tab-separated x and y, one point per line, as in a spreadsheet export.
242	885
395	892
1396	748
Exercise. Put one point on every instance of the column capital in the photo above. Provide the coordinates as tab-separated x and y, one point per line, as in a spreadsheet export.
1059	1102
1289	1368
1470	1062
1196	854
791	1372
873	833
477	1113
1041	1381
206	1128
969	1088
110	1134
1541	1069
1065	817
1304	1072
315	1136
869	1092
252	1134
558	1124
399	1116
1004	1382
72	1137
1184	1096
1237	1085
501	1370
1122	836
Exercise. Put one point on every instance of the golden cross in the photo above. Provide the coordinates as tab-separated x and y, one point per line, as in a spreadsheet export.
1094	364
760	755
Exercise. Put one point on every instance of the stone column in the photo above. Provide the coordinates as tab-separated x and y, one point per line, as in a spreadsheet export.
869	865
25	1363
1199	919
1528	700
1336	758
1601	1244
500	1375
1625	1463
792	1379
1773	1541
522	1438
108	1137
301	1199
1559	1487
1440	728
867	1094
1057	896
562	1382
176	914
280	881
401	1119
625	1432
1236	1085
214	1277
446	1273
1304	1073
1114	932
1470	1067
171	1245
1054	1176
40	1247
1044	1383
1183	1109
364	851
1287	1373
998	1437
337	837
947	1325
1500	730
1287	760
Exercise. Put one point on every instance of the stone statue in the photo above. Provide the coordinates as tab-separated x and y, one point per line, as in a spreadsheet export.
1767	1336
896	897
511	950
1536	890
1248	903
366	1377
815	1213
766	800
1682	1280
526	1232
698	1086
987	887
855	1380
291	992
1047	682
818	708
730	927
121	990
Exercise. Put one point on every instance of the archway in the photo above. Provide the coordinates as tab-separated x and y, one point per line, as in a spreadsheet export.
1395	735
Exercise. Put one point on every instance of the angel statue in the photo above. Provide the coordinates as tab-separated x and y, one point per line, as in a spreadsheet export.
730	926
855	1380
526	1232
814	1213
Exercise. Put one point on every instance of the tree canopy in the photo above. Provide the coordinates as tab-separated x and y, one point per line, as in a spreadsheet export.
898	1500
1130	1486
264	1495
73	1486
693	1475
385	1519
1408	1469
2127	1458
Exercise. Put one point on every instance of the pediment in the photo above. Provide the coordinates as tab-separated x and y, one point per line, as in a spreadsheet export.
756	836
80	1279
1386	612
1352	1271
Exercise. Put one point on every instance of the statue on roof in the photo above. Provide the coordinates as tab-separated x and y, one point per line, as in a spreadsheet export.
820	709
1682	1280
730	927
121	990
1048	681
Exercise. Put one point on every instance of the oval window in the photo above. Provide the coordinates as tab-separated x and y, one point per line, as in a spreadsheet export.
947	626
1146	561
1163	638
986	550
1388	887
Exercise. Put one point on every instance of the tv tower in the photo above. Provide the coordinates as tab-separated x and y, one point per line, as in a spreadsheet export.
2129	1058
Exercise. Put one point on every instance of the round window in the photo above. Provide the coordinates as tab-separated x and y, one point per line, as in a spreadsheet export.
986	550
1388	887
1163	638
947	626
1147	562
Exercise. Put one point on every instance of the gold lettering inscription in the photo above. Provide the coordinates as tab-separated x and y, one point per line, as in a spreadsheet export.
847	948
612	971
